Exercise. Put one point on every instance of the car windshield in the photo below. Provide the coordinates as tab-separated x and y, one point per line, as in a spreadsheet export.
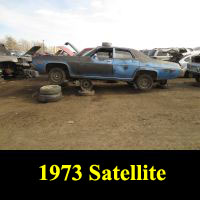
89	53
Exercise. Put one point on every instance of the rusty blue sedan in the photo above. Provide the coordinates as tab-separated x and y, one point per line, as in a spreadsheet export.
110	64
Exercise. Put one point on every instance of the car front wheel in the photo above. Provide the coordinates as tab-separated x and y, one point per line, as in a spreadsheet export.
144	82
57	76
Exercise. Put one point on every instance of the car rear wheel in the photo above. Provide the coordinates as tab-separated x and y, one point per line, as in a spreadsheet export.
57	76
197	79
144	82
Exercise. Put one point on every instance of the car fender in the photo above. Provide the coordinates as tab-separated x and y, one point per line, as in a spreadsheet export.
143	70
59	64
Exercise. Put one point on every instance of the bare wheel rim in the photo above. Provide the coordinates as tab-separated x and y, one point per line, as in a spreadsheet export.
86	85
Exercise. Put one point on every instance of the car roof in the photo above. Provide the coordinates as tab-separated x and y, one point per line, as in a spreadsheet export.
138	55
111	47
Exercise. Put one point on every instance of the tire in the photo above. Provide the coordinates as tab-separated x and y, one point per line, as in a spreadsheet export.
198	79
144	82
50	90
49	98
57	76
86	85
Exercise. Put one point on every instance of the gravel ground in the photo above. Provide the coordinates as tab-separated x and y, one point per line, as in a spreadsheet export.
116	117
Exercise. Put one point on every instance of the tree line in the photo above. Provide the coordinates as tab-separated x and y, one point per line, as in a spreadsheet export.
24	45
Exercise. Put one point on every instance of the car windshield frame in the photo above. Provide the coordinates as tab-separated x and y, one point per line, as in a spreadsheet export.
89	53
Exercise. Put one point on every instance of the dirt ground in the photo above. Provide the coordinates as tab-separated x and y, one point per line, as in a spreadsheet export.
116	117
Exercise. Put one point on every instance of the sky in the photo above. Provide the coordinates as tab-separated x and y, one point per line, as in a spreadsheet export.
138	24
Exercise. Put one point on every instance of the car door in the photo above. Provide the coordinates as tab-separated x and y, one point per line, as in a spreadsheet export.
124	64
99	64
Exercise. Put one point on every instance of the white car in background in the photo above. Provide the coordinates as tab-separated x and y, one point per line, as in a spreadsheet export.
164	53
184	62
160	54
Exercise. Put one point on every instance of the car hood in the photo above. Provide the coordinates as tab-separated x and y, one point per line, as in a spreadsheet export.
32	51
66	50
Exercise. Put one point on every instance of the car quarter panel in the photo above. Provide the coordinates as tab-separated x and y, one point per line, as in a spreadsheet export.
165	71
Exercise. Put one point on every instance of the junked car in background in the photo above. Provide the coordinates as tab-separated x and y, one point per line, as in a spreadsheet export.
110	64
194	67
166	53
180	56
17	53
64	51
161	54
184	63
12	66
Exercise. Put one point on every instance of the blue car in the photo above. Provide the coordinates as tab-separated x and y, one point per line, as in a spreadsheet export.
107	64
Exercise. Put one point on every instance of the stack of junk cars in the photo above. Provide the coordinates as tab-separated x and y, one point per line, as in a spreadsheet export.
103	63
181	56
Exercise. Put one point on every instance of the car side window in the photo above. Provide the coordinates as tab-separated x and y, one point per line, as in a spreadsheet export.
124	55
104	54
